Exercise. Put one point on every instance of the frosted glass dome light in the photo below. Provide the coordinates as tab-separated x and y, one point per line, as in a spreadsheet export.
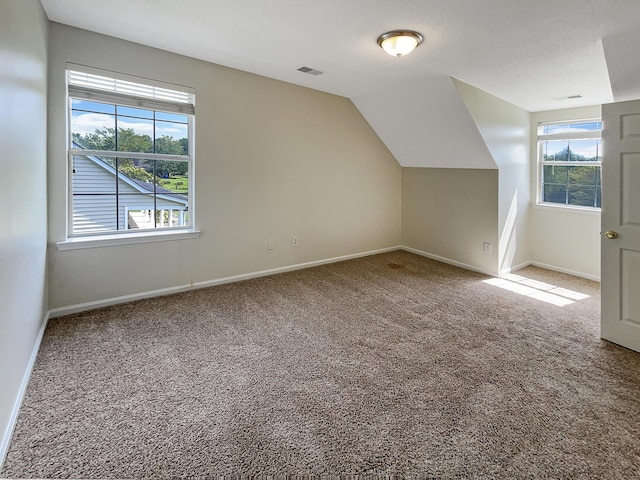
398	43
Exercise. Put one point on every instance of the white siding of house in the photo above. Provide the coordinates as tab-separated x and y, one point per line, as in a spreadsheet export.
94	198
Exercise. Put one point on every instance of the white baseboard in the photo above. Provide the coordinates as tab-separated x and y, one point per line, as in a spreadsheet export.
595	278
291	268
81	307
455	263
513	269
13	418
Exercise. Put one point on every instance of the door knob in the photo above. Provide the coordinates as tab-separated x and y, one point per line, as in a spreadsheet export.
610	234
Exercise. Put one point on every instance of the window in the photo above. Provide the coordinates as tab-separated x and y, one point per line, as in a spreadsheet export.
570	159
130	156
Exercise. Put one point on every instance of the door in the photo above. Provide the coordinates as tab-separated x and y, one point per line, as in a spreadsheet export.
621	224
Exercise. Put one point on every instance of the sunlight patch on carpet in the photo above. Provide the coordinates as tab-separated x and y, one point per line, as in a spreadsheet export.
542	291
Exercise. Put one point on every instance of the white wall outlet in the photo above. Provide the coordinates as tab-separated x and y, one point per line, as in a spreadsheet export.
295	241
271	244
486	247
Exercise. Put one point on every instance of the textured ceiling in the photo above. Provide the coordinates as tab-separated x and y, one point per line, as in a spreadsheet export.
532	54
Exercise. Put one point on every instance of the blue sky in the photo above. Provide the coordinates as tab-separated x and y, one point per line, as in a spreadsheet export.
96	115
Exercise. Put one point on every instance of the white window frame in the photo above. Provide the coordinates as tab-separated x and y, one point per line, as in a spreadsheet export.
87	83
541	138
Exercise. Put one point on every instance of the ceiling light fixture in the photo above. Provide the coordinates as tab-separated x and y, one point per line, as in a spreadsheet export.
399	42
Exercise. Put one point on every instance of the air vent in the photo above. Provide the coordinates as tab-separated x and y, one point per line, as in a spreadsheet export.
568	97
310	71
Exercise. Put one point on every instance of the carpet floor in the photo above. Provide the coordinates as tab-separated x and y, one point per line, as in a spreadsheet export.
387	365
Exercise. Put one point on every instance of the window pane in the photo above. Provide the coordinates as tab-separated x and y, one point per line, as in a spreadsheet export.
164	217
140	218
171	117
555	193
95	131
140	201
555	174
94	214
172	171
555	151
135	112
582	176
560	128
572	150
135	170
96	107
598	197
171	138
134	135
582	195
88	178
586	150
93	195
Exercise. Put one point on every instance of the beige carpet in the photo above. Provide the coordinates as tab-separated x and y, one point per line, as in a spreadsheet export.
392	364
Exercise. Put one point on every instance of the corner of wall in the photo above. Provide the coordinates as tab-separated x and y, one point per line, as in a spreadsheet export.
579	252
505	129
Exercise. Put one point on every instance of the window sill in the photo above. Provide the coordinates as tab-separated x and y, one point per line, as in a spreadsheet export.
76	243
567	208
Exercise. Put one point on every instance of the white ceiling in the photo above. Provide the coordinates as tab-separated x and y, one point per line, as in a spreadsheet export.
528	53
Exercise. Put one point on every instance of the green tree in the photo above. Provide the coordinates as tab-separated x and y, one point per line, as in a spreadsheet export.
126	139
130	141
171	146
572	184
168	145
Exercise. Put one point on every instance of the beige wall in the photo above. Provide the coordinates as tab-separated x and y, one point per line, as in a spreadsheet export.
449	213
23	126
273	160
562	238
505	129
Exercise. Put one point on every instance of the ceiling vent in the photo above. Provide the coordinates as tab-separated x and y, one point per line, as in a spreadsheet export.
568	97
310	71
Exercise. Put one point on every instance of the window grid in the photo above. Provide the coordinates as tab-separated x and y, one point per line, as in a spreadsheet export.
119	157
570	163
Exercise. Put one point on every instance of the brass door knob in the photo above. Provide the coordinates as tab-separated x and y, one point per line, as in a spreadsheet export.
610	234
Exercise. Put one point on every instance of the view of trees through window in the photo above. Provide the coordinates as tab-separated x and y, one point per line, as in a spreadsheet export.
571	167
129	167
100	126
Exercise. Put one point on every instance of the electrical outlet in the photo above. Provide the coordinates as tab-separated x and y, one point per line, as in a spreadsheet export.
271	244
295	241
486	247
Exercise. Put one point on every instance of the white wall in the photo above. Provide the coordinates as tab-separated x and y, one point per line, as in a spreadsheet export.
273	160
23	126
562	238
505	129
424	123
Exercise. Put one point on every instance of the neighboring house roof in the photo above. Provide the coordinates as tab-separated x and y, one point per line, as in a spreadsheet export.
142	187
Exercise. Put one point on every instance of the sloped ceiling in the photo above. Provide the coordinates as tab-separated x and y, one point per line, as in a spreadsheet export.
623	62
426	124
